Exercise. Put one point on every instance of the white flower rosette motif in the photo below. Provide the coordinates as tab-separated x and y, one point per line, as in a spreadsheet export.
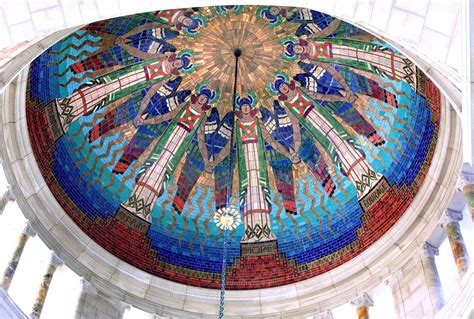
227	218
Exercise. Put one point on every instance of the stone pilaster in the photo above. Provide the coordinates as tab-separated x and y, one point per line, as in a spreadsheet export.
121	307
467	177
362	305
430	271
93	303
458	246
87	290
15	258
54	263
393	281
5	199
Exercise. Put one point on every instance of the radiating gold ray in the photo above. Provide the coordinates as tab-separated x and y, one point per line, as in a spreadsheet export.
260	60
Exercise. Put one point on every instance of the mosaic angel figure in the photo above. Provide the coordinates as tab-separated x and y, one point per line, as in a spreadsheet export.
331	135
369	57
286	130
168	152
336	88
184	20
254	193
212	145
273	14
147	103
143	42
317	24
111	87
225	10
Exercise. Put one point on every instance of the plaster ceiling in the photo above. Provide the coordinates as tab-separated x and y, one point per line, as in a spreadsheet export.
131	121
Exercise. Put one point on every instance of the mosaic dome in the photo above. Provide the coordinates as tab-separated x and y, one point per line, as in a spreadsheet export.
314	133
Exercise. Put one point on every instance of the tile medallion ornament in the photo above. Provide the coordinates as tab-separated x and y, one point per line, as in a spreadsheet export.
131	120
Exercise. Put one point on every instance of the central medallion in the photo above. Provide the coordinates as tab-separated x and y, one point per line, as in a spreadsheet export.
260	55
237	53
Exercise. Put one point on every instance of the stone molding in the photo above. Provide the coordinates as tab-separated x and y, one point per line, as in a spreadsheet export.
324	315
147	292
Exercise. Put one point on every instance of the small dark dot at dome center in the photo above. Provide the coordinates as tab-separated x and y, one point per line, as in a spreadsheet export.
237	53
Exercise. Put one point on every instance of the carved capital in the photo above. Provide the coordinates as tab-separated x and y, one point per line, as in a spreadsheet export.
429	250
87	287
393	279
55	260
363	301
28	230
9	194
453	215
467	174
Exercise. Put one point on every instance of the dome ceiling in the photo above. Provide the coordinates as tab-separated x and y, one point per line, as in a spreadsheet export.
316	132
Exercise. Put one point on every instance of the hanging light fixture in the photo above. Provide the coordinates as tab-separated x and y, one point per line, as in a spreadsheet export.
228	218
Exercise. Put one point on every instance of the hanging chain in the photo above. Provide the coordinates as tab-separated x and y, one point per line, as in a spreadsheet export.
226	231
223	273
231	140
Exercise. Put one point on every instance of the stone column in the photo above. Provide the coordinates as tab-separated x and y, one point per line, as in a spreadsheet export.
362	305
5	198
433	282
15	258
54	263
458	246
467	177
